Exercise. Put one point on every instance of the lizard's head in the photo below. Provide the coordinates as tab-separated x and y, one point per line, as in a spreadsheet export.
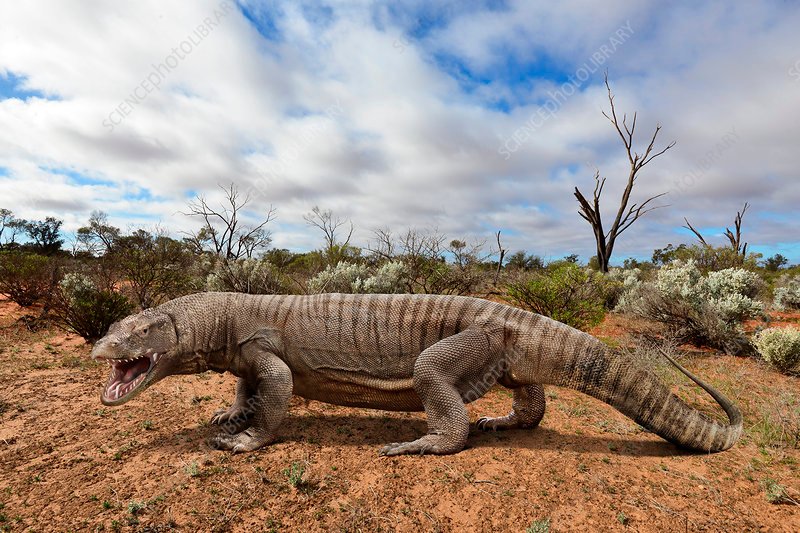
140	350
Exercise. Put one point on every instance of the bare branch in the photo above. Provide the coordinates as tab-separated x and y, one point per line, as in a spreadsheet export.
693	230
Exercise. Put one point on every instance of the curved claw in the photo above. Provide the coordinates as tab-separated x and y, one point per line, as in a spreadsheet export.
438	444
223	415
245	441
483	424
488	423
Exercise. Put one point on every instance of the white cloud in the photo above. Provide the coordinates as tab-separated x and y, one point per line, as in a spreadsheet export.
408	142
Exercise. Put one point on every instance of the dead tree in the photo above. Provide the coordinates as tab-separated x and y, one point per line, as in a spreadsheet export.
223	231
502	252
735	236
330	226
383	247
626	215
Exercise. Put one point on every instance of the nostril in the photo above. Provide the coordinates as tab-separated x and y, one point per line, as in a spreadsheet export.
114	343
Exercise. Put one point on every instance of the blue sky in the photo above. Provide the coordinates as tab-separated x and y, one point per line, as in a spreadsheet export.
463	116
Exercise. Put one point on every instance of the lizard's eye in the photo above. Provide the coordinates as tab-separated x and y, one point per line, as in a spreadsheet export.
143	331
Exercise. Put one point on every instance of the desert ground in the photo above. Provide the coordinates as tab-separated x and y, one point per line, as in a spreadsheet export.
67	463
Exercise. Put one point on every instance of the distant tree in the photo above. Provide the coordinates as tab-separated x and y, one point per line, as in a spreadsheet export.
223	231
8	227
572	258
668	254
522	261
45	235
98	236
281	258
631	263
423	254
626	216
775	263
501	252
156	266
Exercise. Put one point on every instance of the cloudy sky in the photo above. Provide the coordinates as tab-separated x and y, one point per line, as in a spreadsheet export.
468	116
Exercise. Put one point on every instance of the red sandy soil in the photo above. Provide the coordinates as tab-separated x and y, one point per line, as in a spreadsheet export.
68	463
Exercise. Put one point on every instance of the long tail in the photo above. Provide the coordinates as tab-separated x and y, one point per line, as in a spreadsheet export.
581	362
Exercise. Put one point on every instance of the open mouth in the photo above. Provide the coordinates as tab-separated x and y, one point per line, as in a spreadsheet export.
127	374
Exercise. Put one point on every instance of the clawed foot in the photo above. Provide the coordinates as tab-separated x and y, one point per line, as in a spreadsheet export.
233	419
246	441
224	415
432	444
488	423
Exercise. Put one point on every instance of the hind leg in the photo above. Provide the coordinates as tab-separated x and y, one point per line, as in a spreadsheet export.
439	375
526	411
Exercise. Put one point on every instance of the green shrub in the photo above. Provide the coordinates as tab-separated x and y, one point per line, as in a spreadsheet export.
25	277
707	258
87	310
564	292
155	267
780	347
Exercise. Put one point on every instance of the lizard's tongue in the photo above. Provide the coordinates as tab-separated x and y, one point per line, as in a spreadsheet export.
134	369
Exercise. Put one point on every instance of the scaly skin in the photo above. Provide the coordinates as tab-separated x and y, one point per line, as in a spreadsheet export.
391	352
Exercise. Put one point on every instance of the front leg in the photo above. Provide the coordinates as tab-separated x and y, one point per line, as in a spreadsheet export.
237	417
268	404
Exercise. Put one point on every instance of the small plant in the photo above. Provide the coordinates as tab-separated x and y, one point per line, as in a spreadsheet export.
776	493
780	347
295	474
539	526
147	425
106	504
622	518
135	507
192	469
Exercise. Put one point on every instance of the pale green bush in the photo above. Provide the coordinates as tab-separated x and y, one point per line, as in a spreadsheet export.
630	281
388	279
344	277
355	278
780	347
701	309
249	276
75	285
787	294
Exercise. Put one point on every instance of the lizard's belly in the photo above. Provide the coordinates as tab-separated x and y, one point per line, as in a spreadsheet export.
357	390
